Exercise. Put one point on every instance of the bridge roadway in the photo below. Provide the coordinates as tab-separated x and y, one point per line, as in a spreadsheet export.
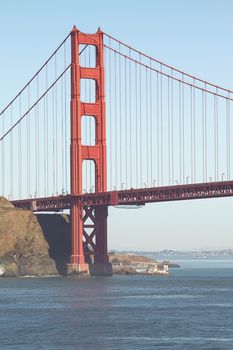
130	197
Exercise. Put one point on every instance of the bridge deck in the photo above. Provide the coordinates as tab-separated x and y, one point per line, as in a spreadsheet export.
130	197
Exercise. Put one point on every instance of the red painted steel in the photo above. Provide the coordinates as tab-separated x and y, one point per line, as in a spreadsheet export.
79	152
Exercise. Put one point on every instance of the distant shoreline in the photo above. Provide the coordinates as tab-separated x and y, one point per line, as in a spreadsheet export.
179	254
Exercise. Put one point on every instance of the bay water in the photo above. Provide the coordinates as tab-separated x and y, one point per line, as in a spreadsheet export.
192	308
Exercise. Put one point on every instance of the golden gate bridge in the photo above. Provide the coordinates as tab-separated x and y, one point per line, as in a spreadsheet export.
102	124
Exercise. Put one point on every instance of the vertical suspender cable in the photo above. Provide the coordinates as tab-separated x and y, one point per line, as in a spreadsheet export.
130	121
147	132
46	135
151	128
20	149
36	140
161	121
229	131
217	163
194	133
11	157
169	132
140	119
172	131
120	115
158	131
180	131
215	137
28	146
35	148
3	155
191	130
62	134
53	127
56	131
136	125
183	132
115	103
126	128
38	135
205	118
203	135
228	136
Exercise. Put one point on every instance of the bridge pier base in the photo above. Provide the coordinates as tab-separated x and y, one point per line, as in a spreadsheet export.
77	269
98	269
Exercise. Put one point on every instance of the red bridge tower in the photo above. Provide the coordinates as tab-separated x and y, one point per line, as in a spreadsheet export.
88	224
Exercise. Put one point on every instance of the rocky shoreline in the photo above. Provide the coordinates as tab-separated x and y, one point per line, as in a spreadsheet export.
134	264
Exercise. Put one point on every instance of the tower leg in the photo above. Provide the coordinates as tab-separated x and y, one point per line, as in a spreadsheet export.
77	265
101	266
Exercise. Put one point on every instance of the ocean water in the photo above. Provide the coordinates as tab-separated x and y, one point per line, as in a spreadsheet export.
190	309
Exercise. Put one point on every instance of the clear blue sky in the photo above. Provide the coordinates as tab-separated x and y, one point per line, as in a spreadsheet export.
195	36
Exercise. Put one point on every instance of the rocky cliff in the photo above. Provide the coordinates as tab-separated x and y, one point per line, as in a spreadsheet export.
56	230
23	248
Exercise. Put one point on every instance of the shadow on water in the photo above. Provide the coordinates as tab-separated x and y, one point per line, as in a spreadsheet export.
56	229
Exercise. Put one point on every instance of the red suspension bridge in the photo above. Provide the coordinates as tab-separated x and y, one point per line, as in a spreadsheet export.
136	131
